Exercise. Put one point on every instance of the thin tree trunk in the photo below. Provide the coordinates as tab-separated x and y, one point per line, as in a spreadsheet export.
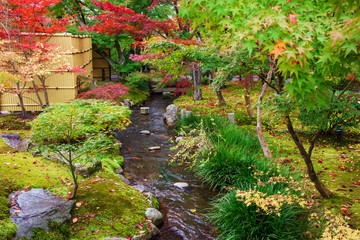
74	175
248	80
37	94
121	58
21	99
259	128
197	84
46	95
220	97
325	193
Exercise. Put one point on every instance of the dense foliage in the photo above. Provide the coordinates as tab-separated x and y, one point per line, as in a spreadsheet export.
105	93
263	200
81	131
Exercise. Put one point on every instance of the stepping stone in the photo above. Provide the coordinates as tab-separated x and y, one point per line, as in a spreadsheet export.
181	185
145	132
166	95
144	110
156	148
231	117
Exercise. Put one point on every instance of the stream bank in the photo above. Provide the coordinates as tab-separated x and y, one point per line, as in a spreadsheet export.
183	209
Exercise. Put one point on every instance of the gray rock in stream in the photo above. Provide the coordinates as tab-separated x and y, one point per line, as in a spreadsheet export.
36	208
181	185
145	132
154	148
171	114
144	110
124	179
155	216
120	170
140	188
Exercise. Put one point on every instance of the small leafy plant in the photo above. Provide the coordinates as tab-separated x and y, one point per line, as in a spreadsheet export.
79	130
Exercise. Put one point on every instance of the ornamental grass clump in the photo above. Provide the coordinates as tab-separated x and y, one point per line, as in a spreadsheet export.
80	132
263	200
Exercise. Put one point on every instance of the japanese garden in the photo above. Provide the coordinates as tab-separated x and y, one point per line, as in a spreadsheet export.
179	119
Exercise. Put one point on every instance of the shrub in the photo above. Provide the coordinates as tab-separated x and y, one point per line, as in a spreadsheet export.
81	131
345	113
138	81
105	93
237	220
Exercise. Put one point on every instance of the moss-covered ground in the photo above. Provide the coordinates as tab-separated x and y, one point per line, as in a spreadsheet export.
105	206
337	163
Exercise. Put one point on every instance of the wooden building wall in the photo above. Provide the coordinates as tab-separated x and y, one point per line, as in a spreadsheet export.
102	69
62	87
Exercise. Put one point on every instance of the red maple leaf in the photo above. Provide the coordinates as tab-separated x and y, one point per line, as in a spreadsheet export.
292	18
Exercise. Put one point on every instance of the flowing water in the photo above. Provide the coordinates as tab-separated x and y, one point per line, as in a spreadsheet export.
152	170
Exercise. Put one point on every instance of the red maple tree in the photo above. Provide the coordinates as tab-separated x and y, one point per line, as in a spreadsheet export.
25	27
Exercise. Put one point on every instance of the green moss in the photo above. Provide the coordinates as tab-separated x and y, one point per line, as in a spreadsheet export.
107	204
112	163
34	172
57	231
7	229
155	202
108	208
14	122
4	148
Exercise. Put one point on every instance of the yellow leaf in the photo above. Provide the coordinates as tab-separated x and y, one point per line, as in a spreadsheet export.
192	210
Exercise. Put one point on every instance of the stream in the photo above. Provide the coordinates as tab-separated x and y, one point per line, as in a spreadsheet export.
152	171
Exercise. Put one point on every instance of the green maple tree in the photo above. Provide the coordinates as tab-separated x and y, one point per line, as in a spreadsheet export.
307	47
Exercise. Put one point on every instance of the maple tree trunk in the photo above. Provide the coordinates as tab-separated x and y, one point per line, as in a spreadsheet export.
259	128
46	95
121	58
73	173
220	97
197	84
109	60
21	100
325	193
37	95
250	111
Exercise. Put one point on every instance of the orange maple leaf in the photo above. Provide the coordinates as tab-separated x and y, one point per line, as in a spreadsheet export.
278	49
